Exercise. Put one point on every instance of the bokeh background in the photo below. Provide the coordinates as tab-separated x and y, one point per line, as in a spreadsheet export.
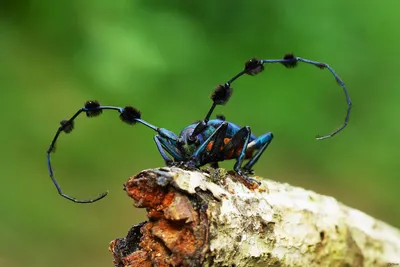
165	58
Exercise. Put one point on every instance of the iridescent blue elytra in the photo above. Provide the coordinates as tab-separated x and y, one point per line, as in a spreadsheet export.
205	141
208	147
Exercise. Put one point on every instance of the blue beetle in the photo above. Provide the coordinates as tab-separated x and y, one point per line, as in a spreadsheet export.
205	141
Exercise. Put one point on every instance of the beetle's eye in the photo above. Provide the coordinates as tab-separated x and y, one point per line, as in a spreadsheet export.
192	139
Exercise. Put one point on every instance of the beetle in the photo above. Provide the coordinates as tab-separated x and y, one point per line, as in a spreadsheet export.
205	141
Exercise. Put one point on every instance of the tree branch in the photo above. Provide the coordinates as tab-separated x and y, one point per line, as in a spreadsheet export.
213	218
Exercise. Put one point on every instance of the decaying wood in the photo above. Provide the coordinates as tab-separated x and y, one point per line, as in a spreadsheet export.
213	218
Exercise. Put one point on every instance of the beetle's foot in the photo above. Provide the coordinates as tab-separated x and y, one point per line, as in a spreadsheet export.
247	179
251	180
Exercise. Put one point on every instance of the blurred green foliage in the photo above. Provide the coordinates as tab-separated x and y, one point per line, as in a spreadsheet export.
165	57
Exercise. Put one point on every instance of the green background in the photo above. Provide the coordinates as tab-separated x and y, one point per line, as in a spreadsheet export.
165	58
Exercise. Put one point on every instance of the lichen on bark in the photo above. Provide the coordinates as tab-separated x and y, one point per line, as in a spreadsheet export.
214	218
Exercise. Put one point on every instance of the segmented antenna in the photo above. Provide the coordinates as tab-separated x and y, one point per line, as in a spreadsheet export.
92	108
219	96
130	115
253	67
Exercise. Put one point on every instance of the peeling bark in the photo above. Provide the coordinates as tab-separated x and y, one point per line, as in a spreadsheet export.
213	218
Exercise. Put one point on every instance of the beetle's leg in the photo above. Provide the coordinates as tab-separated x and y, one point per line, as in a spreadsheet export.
260	144
220	133
241	137
165	144
166	158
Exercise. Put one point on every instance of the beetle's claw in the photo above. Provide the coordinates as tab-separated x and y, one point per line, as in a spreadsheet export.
243	174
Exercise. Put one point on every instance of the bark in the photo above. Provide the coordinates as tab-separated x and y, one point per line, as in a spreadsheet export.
215	218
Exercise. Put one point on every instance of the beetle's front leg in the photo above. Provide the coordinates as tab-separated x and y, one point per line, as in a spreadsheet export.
164	155
164	146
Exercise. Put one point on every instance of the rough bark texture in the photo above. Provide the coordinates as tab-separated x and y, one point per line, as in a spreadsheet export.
213	218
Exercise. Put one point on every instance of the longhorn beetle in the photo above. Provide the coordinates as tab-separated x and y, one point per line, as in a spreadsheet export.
205	141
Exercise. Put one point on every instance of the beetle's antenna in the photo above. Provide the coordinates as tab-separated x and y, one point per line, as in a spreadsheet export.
255	66
92	108
290	61
220	96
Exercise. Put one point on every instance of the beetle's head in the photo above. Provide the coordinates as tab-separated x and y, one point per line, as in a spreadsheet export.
187	143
